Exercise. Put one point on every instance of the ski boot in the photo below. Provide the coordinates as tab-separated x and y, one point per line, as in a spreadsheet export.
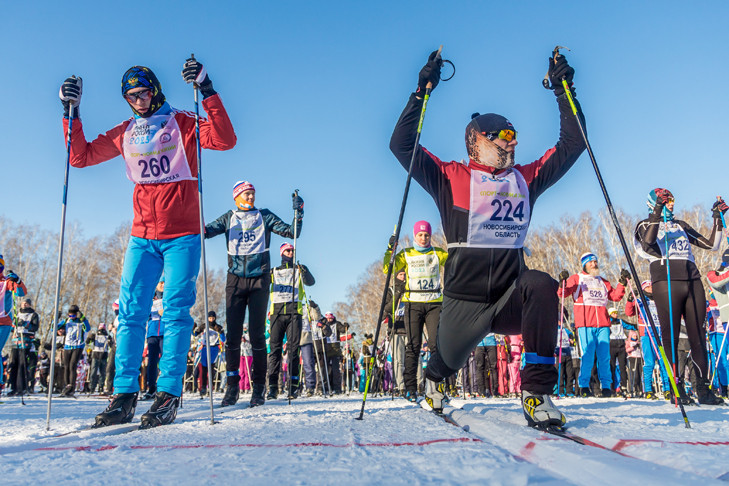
540	412
232	389
257	398
650	395
162	412
683	399
119	411
67	391
435	395
586	392
147	396
294	386
272	392
705	395
308	393
411	396
606	393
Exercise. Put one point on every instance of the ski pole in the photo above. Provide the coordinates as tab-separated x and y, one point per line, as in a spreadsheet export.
619	231
196	91
643	312
313	342
398	227
61	237
561	321
294	287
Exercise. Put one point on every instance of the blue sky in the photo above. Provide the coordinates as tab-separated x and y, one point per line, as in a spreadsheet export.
315	88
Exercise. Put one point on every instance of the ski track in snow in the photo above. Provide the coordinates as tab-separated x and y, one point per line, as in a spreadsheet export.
317	441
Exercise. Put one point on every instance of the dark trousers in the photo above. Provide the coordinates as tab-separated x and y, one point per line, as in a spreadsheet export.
635	369
334	361
18	370
110	369
417	316
70	361
529	307
567	385
486	373
688	300
309	361
288	325
252	294
98	373
154	352
617	352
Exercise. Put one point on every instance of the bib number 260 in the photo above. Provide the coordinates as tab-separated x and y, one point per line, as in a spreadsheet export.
154	167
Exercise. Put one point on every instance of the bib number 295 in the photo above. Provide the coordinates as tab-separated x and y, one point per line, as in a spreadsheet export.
154	167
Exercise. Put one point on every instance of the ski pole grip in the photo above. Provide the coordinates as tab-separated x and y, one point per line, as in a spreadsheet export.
429	86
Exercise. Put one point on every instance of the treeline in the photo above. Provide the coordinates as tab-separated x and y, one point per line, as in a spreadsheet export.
91	271
550	249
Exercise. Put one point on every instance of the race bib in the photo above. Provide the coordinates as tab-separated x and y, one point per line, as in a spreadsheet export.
593	290
153	151
673	236
499	213
247	234
423	276
283	286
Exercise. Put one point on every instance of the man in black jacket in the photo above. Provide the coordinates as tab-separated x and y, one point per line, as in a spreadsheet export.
485	208
26	325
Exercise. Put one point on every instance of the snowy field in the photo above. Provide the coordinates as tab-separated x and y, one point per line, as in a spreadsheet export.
317	441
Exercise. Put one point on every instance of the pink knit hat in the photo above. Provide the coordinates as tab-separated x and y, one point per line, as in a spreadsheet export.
422	226
284	247
242	186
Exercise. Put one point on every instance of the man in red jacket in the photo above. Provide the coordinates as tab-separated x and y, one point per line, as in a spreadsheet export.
159	149
591	294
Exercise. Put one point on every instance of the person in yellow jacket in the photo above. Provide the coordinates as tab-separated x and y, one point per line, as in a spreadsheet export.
423	297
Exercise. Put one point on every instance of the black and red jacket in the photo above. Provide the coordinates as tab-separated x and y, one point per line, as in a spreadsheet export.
479	274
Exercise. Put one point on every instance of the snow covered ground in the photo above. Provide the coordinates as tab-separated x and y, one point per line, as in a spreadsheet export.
317	441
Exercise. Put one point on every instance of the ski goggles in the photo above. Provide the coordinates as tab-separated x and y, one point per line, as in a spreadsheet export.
72	316
507	135
141	95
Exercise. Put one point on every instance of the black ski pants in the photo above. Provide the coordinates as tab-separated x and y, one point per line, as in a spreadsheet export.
18	369
635	371
417	316
154	353
568	375
688	300
240	294
529	307
617	352
70	362
486	370
288	325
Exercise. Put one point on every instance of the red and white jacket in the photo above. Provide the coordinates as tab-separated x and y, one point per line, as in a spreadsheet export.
161	211
590	315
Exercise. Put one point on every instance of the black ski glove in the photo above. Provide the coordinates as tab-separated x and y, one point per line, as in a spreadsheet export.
563	276
429	73
630	297
194	72
624	277
70	94
392	243
558	69
12	277
718	209
298	203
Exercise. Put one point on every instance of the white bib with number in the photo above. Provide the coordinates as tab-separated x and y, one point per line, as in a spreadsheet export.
423	276
246	235
153	151
679	247
499	215
593	291
282	284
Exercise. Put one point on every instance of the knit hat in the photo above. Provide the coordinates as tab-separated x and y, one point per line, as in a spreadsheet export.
587	257
611	310
329	315
241	187
73	309
645	284
212	314
422	226
488	123
284	247
102	326
115	305
143	77
27	301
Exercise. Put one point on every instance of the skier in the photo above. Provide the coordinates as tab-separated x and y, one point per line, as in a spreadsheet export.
591	293
564	341
332	330
26	325
486	374
618	327
99	355
648	343
422	296
166	228
395	319
719	282
632	348
248	235
661	238
155	340
10	285
246	361
215	338
311	314
285	316
485	208
110	367
76	328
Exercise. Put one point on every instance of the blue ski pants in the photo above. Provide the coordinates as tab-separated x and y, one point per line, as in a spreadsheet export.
4	334
595	341
649	362
144	263
722	370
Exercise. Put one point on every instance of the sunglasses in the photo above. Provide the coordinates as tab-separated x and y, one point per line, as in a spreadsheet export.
141	95
72	316
507	135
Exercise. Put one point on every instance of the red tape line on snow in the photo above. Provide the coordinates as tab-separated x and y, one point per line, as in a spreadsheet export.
254	446
623	443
